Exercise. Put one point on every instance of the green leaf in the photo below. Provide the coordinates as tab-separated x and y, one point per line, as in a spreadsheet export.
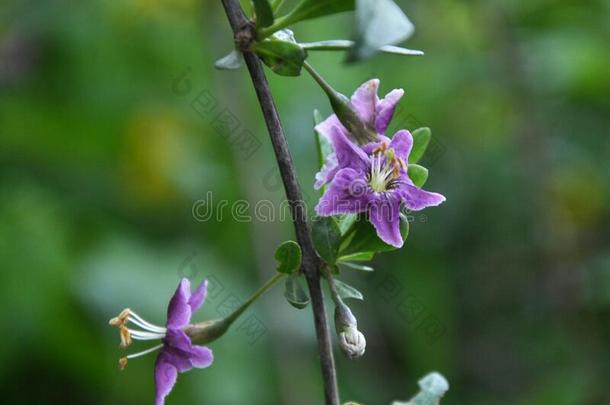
329	45
343	44
346	221
284	56
232	61
326	238
346	291
356	266
378	23
295	293
418	174
398	50
264	13
365	239
432	388
308	9
421	139
288	256
357	257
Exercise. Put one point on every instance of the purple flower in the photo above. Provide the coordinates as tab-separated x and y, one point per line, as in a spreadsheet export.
374	112
177	353
373	179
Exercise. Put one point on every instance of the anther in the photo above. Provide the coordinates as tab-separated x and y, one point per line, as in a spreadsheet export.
125	337
121	319
122	363
381	148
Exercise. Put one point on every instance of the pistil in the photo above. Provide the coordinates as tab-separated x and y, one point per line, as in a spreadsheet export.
385	168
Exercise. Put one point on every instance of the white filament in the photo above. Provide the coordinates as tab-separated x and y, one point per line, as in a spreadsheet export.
142	353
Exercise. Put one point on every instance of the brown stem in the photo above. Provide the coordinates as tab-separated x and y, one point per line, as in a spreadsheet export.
244	32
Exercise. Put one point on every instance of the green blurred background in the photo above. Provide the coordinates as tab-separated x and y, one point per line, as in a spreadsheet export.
505	288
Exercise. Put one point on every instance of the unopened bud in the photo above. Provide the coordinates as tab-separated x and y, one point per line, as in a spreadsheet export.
352	342
344	318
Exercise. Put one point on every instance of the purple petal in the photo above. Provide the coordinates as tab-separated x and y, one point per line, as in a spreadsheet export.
177	350
201	357
165	378
385	110
385	217
198	297
402	142
364	101
327	172
417	199
347	193
178	339
179	310
325	127
348	153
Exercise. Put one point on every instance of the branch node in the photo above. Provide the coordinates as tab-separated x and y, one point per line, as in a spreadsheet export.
245	36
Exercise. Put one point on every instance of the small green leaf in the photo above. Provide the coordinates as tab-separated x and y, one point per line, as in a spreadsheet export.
295	293
326	238
357	257
356	266
308	9
365	239
378	23
421	139
330	45
346	291
346	221
281	54
232	61
288	256
343	45
398	50
264	13
432	388
418	174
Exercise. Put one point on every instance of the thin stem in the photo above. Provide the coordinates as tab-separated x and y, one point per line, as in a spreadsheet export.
320	80
311	262
280	23
237	312
276	5
208	331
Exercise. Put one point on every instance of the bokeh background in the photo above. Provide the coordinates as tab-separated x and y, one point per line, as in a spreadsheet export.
105	148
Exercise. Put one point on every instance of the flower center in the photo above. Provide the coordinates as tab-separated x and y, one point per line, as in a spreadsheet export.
385	169
149	332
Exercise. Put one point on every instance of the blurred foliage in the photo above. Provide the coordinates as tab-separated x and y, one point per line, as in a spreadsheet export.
505	288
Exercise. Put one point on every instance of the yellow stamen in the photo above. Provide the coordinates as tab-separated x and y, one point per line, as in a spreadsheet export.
381	148
121	319
122	363
402	163
125	337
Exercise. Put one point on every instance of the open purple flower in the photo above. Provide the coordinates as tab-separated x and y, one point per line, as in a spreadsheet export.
177	353
374	112
373	179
